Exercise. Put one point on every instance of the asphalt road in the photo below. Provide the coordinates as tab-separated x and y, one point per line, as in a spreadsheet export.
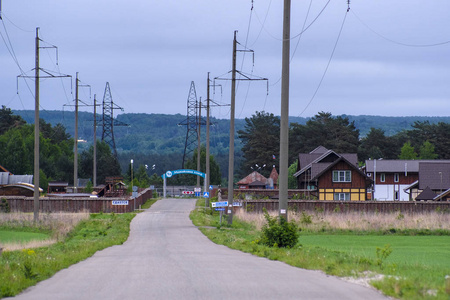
167	257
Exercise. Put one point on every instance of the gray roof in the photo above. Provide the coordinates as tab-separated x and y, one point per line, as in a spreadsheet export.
427	194
396	165
431	173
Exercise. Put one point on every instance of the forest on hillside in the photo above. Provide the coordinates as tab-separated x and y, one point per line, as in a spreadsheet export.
157	141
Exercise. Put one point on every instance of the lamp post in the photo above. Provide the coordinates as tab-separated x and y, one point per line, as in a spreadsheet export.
440	173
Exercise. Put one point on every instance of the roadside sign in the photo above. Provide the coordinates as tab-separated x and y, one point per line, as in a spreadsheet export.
135	188
120	202
197	194
205	194
237	204
210	187
219	208
134	194
169	174
220	204
187	192
197	189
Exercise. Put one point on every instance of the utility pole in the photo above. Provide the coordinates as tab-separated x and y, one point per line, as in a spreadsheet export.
231	148
75	149
232	113
284	122
94	175
36	131
37	76
207	141
198	139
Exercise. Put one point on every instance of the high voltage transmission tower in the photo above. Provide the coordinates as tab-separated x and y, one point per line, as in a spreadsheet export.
192	121
108	121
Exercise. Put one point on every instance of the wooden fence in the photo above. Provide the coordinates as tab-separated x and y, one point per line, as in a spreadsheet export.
68	204
410	207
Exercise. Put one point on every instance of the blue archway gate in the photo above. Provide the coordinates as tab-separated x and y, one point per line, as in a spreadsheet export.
169	174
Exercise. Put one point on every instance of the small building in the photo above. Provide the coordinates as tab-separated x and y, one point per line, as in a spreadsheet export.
332	176
252	181
57	187
396	180
433	182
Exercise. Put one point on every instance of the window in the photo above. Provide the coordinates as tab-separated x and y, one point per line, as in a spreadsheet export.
342	176
382	177
342	196
396	177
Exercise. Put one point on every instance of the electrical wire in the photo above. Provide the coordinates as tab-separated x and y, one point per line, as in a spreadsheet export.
328	64
396	42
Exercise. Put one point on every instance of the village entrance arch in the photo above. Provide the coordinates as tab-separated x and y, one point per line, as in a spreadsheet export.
169	174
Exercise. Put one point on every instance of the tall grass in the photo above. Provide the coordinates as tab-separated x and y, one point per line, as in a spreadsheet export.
57	225
357	221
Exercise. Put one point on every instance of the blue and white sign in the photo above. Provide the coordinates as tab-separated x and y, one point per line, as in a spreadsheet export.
219	204
210	187
219	208
205	194
197	194
169	174
120	202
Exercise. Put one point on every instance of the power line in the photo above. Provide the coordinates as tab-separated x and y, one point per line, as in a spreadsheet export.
328	64
396	42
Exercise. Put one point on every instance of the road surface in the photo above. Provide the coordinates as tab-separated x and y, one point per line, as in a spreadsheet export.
167	257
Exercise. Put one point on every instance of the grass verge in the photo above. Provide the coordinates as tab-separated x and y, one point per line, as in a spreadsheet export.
394	275
23	268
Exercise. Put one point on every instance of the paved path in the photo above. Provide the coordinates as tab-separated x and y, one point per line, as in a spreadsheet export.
166	257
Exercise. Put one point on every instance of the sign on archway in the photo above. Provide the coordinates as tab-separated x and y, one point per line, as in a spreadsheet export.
169	174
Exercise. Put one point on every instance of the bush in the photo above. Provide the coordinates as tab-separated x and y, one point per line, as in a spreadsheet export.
4	206
277	232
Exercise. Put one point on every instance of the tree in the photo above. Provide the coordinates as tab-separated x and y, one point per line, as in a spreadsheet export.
107	164
214	177
292	181
142	177
334	133
8	120
407	152
261	141
427	151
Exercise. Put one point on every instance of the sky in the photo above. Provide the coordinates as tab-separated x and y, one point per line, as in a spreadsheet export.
381	57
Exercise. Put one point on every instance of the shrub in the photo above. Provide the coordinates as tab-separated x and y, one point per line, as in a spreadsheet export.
4	206
277	232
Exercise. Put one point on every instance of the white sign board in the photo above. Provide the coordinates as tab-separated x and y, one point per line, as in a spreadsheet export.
120	202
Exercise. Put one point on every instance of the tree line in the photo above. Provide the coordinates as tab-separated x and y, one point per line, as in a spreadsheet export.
260	138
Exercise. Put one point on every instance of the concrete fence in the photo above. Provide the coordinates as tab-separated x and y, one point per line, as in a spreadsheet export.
76	204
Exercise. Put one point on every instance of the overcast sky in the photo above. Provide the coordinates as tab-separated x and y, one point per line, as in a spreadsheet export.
150	51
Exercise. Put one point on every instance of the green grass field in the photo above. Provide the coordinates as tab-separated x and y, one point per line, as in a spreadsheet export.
21	237
432	251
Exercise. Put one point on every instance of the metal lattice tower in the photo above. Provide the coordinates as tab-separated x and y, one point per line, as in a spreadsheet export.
108	119
191	123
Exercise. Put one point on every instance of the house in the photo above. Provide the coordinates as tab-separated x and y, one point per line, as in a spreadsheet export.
332	176
16	185
393	178
433	183
253	181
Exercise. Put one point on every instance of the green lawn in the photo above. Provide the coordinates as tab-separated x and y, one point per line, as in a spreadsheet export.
20	236
432	251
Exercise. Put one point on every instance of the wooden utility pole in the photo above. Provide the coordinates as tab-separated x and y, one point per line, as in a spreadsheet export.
94	175
36	131
207	178
231	148
75	149
284	122
198	139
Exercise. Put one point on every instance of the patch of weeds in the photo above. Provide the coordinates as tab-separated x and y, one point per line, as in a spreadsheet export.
305	218
383	254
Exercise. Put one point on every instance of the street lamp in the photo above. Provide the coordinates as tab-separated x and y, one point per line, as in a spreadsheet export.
440	173
134	200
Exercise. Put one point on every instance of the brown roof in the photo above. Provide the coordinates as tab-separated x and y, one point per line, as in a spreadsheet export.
254	176
274	175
